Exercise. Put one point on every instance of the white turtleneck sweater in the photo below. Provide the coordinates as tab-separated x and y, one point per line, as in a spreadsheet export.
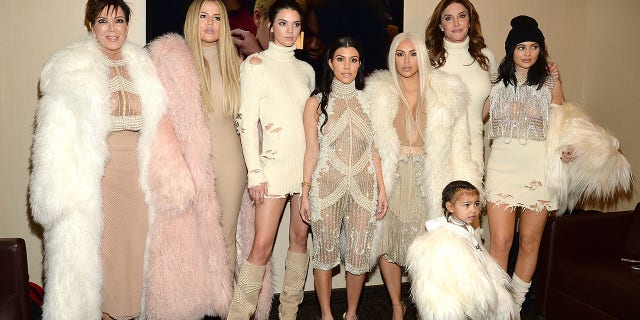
478	82
273	92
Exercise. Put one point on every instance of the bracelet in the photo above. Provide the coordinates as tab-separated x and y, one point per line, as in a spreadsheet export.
306	183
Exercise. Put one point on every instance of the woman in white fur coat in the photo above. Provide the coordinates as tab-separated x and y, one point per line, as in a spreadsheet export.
94	91
422	135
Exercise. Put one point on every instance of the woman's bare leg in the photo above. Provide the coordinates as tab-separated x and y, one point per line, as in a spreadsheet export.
392	276
502	221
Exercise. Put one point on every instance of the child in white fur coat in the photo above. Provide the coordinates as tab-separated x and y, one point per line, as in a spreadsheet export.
453	276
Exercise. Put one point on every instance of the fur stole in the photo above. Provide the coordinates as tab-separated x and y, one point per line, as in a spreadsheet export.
69	154
452	279
600	172
447	138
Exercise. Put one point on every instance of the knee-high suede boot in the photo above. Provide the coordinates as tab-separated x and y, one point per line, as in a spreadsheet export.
519	290
245	294
295	273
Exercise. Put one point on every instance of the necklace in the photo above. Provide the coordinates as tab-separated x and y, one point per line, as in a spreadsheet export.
456	221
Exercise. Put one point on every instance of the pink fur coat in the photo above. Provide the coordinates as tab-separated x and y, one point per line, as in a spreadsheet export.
187	275
203	283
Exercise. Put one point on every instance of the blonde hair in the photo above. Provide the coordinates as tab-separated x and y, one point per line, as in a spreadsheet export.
263	6
423	71
229	65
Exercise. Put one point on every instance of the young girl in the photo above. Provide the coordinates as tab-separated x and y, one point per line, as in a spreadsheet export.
342	190
453	276
275	86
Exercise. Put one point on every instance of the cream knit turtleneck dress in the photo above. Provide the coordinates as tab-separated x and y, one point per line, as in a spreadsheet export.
226	154
274	91
478	81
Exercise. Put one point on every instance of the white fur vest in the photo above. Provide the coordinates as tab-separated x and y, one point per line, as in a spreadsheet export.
69	155
447	139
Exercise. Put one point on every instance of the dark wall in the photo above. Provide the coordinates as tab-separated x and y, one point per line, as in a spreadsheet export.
165	16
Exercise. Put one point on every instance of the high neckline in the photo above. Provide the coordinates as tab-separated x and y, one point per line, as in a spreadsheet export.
279	52
210	50
456	46
343	90
116	63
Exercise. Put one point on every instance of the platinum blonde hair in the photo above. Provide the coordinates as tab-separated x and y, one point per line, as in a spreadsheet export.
423	71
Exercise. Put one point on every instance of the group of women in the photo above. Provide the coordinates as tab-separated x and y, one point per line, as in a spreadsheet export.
141	159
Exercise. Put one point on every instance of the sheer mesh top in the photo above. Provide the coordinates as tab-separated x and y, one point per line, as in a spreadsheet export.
520	112
124	102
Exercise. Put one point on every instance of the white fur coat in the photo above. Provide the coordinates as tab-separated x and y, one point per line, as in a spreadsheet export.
447	138
69	155
453	276
599	172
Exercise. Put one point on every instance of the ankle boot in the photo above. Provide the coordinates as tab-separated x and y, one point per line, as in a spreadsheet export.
245	294
519	290
295	273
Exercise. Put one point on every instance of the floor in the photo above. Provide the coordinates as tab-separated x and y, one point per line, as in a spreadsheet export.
374	305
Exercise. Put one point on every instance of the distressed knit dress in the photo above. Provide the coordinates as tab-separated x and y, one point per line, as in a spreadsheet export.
518	122
274	92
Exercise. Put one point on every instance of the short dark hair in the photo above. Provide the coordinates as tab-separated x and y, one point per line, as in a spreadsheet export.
449	192
94	7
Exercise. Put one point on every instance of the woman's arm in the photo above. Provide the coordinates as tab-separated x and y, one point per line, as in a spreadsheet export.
382	193
311	152
557	96
485	110
248	118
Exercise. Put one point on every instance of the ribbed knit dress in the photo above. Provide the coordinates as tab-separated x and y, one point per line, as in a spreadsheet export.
226	155
478	82
274	93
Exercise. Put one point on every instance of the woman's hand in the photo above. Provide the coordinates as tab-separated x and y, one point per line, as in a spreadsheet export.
258	192
568	154
382	204
305	209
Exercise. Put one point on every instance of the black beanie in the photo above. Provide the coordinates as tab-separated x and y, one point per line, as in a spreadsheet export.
523	28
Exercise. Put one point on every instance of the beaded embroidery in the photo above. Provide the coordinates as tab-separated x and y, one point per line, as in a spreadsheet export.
344	189
124	102
520	113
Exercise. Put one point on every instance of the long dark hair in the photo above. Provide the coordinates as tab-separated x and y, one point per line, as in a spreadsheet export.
536	76
434	37
324	87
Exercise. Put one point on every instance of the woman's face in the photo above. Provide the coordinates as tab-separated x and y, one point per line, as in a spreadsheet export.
286	27
209	23
345	64
406	59
454	21
525	55
110	29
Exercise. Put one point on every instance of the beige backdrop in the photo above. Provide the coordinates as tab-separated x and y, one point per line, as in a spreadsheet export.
593	41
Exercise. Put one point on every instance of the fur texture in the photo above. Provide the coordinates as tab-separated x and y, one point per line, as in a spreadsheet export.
187	275
451	279
447	140
69	154
600	172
